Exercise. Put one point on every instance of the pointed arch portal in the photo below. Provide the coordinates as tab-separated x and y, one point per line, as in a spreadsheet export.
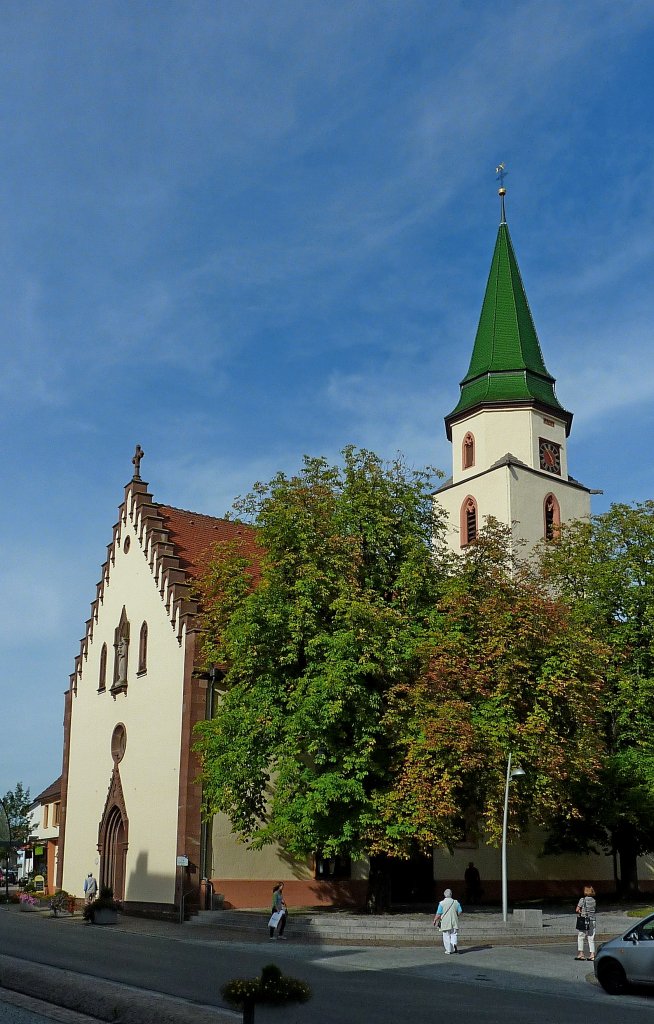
113	839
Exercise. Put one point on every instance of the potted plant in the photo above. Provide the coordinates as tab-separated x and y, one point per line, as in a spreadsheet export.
62	901
272	987
104	910
27	902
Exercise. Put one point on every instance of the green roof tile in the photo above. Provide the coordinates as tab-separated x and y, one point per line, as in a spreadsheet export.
507	363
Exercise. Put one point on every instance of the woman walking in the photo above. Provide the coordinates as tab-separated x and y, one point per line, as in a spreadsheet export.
585	912
447	916
279	912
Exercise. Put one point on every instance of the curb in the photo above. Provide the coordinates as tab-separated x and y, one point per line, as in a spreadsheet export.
105	1000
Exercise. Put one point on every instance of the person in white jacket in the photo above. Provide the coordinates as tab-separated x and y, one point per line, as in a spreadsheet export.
447	916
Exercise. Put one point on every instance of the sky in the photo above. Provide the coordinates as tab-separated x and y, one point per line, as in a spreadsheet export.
237	232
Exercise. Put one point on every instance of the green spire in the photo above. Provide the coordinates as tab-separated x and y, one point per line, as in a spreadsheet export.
507	363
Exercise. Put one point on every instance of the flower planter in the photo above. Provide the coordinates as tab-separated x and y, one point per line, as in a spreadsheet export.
105	915
28	908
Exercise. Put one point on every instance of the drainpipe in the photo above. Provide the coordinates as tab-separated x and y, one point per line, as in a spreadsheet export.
205	831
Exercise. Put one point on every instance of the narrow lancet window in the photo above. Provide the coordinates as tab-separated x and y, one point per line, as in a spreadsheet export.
552	516
468	451
468	521
102	678
143	649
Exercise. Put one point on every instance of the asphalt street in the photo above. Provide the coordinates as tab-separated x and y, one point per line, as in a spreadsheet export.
531	984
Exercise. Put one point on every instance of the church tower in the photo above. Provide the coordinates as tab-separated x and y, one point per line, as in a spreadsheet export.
508	430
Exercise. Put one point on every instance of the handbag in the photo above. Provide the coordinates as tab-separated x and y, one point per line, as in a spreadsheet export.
275	918
583	920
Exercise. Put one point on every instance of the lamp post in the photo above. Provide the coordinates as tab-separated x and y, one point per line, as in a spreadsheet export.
514	773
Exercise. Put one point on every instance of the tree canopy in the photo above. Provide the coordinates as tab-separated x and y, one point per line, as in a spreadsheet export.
604	569
17	804
374	684
507	670
352	571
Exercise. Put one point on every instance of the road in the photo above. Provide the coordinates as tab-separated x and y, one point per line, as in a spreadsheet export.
538	984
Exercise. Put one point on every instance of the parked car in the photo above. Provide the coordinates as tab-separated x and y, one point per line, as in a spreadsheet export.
628	959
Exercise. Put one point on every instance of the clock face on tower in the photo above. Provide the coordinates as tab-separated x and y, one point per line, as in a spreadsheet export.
549	456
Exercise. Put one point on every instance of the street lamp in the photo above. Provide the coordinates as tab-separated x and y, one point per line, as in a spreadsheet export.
514	773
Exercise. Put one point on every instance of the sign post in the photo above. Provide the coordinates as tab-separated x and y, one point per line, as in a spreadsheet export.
182	863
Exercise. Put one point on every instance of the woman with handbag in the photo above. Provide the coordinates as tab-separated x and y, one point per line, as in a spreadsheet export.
585	912
277	921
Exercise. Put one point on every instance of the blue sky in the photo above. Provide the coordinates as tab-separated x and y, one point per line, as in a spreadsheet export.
238	232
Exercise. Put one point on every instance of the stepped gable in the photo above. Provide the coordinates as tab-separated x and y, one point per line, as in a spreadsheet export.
178	546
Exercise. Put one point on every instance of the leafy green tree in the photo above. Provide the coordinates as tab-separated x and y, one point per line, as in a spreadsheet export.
507	669
352	572
17	805
604	568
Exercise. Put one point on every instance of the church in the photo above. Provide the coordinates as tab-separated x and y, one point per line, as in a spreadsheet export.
131	808
508	430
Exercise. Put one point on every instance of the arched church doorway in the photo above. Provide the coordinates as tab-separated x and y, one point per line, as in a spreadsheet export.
113	852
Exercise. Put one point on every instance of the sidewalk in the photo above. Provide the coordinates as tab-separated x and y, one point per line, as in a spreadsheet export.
334	928
477	924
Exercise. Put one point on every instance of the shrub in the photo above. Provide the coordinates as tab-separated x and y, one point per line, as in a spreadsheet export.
271	987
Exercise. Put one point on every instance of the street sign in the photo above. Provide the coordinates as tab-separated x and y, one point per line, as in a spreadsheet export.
182	862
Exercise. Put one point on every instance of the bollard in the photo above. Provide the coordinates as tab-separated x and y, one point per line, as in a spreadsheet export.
248	1011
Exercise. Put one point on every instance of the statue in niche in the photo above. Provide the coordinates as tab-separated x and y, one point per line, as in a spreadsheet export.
123	645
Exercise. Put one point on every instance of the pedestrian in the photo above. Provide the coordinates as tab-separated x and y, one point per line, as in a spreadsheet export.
277	922
472	879
447	917
585	911
90	888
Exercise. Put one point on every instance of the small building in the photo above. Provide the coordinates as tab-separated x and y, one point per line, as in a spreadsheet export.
40	855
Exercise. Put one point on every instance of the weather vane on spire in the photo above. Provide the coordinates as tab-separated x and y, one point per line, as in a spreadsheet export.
501	173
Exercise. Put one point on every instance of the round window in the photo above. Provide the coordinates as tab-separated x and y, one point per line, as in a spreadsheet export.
126	544
118	742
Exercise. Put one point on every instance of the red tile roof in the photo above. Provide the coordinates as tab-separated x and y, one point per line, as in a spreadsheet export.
194	536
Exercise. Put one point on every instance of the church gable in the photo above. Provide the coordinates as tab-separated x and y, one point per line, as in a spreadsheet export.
177	546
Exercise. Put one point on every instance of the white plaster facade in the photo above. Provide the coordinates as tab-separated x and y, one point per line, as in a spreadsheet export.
150	710
128	815
505	479
528	871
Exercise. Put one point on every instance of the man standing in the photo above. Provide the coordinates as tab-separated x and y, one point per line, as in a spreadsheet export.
473	883
90	888
447	915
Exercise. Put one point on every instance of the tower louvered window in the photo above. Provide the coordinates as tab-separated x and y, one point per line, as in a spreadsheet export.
468	521
552	516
